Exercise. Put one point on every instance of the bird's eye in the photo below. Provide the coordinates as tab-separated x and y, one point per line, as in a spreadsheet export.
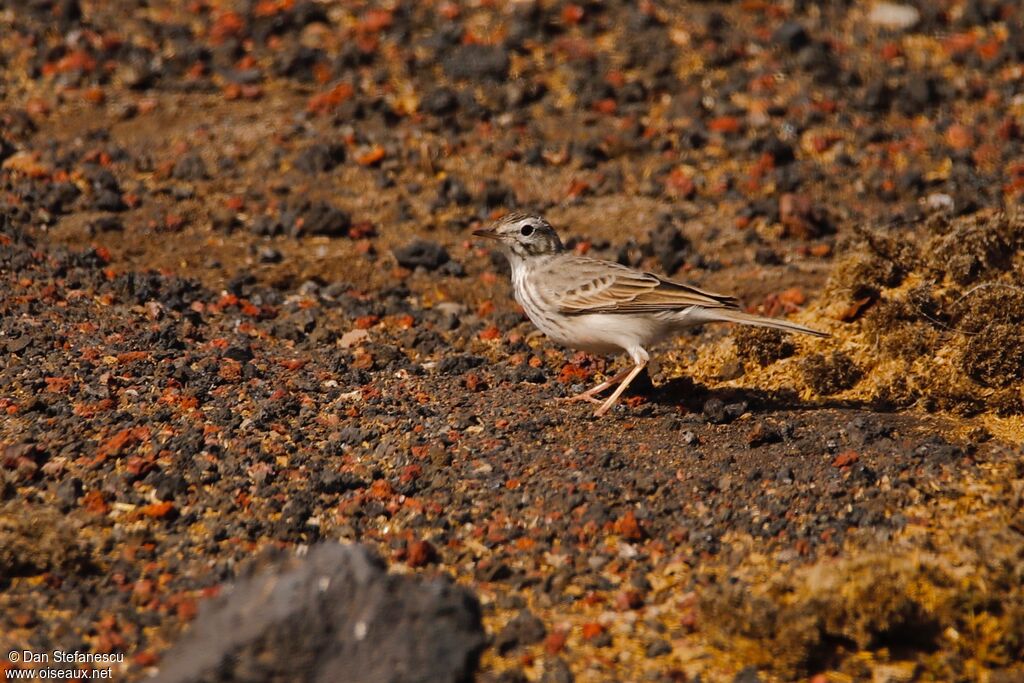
526	230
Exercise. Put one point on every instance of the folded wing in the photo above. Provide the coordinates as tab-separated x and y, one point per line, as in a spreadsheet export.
606	287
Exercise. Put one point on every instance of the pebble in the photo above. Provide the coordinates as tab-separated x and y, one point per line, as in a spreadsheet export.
669	246
717	412
440	101
524	629
477	62
315	218
556	671
353	338
939	201
320	158
893	16
6	150
270	255
224	219
799	215
452	308
421	253
68	493
658	648
791	35
748	675
190	167
106	224
764	433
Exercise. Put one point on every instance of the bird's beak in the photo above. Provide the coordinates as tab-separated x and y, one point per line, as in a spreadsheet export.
487	234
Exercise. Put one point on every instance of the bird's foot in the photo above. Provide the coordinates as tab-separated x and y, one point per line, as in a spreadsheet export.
585	396
607	405
590	395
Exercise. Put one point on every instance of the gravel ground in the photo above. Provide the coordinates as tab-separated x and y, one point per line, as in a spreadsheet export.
242	314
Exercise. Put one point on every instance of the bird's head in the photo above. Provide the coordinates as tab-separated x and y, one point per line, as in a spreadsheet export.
523	235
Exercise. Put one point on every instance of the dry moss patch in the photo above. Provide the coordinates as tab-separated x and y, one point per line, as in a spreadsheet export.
947	617
763	346
38	542
945	599
945	309
930	317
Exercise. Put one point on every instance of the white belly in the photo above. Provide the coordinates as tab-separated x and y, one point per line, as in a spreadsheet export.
603	333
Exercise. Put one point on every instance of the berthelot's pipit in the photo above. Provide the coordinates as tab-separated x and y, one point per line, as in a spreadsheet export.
603	307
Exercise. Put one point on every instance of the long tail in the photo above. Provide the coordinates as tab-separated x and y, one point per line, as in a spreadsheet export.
725	315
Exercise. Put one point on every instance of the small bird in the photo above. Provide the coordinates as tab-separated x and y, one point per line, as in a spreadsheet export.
604	307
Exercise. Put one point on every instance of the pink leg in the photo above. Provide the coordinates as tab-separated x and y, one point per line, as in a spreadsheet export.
589	394
606	406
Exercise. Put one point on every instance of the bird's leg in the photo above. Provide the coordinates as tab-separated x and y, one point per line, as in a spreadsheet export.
606	406
589	394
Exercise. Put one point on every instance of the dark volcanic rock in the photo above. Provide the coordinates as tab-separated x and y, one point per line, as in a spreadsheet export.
59	197
477	62
669	246
190	167
791	36
719	413
748	675
320	158
106	224
430	255
68	493
440	101
6	149
456	365
333	615
316	218
524	629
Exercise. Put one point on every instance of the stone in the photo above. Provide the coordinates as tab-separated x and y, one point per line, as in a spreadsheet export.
426	253
316	218
335	614
893	16
524	629
792	36
477	62
190	167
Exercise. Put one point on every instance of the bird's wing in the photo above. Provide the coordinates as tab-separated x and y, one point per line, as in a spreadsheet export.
585	285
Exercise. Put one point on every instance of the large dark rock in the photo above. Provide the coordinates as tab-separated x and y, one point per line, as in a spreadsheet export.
333	615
